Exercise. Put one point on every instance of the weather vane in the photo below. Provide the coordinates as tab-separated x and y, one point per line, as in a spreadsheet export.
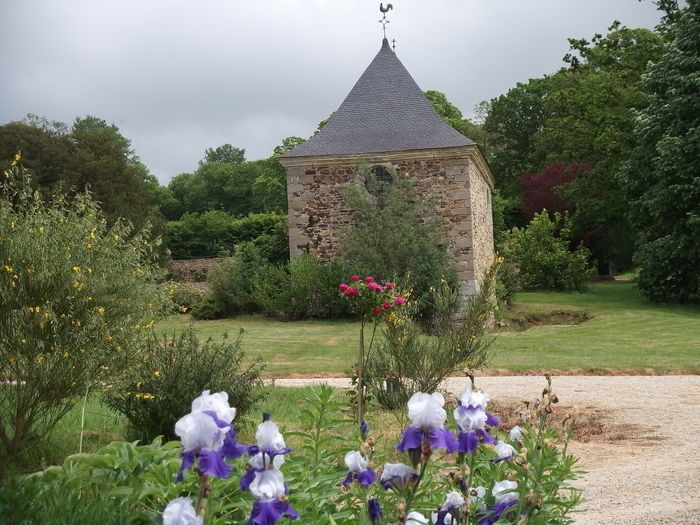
384	11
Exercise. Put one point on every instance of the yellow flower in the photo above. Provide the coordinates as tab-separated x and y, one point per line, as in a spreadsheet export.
9	269
30	269
156	373
109	338
103	367
41	229
40	359
149	324
18	157
76	269
100	310
65	354
78	285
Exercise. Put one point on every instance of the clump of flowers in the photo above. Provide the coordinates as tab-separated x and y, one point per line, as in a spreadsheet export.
208	440
371	301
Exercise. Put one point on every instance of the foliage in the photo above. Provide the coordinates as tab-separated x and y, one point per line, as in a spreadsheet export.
225	153
303	288
216	232
183	295
583	114
409	360
206	308
288	143
91	154
390	237
541	252
173	370
507	282
76	296
453	116
661	177
539	190
231	282
238	189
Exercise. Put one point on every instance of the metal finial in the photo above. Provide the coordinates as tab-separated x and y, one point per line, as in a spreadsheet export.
393	44
384	11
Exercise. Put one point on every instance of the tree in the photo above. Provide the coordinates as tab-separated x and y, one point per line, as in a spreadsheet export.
539	190
90	154
390	237
224	153
288	143
453	116
660	178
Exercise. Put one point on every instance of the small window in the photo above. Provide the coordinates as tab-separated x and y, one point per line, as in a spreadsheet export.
382	174
380	178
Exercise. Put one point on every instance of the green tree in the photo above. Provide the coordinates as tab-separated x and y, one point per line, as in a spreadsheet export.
90	154
224	153
77	296
660	179
390	238
453	116
288	143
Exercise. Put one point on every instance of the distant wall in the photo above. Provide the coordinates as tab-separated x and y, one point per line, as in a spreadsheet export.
193	270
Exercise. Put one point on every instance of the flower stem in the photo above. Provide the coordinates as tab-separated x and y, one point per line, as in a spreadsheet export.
204	491
361	375
411	496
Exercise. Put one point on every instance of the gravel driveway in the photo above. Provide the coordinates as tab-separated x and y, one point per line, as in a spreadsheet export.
651	474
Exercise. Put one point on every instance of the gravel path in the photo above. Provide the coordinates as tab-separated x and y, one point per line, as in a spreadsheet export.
652	474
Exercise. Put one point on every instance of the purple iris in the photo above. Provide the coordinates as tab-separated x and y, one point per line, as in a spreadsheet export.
427	417
270	512
472	423
358	470
203	439
364	428
231	449
269	439
375	511
397	476
502	508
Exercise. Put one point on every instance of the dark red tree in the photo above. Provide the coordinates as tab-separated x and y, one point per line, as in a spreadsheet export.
538	190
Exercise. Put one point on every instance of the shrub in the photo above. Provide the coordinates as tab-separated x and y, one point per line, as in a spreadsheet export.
184	296
76	296
216	232
394	235
507	281
409	360
206	308
172	371
541	252
306	287
231	282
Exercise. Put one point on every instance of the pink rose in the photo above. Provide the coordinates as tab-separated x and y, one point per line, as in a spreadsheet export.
369	279
351	291
400	300
375	287
387	305
342	287
389	286
377	310
355	278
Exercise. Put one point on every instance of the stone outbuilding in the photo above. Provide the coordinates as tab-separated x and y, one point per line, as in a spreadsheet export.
387	122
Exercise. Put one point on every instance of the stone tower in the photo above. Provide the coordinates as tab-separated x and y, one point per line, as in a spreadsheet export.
387	121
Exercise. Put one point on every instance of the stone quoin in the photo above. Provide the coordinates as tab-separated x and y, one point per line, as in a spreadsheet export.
387	122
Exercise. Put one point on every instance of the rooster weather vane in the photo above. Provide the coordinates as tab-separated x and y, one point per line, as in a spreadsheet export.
384	11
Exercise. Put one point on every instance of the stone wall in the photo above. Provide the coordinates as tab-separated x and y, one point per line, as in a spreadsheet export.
454	180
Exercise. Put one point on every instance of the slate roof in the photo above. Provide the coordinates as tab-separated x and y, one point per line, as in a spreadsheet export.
384	111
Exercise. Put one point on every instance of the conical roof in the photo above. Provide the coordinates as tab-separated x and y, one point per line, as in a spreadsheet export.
385	111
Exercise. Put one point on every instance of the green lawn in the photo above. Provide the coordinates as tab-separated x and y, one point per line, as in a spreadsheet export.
625	333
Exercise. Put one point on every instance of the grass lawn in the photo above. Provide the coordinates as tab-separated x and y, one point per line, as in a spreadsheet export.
625	333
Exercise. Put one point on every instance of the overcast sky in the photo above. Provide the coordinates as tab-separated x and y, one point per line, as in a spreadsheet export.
180	76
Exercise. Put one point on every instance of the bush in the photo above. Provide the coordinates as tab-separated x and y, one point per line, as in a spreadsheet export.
174	370
409	360
392	236
541	253
507	281
184	296
231	282
307	287
206	308
76	296
216	232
